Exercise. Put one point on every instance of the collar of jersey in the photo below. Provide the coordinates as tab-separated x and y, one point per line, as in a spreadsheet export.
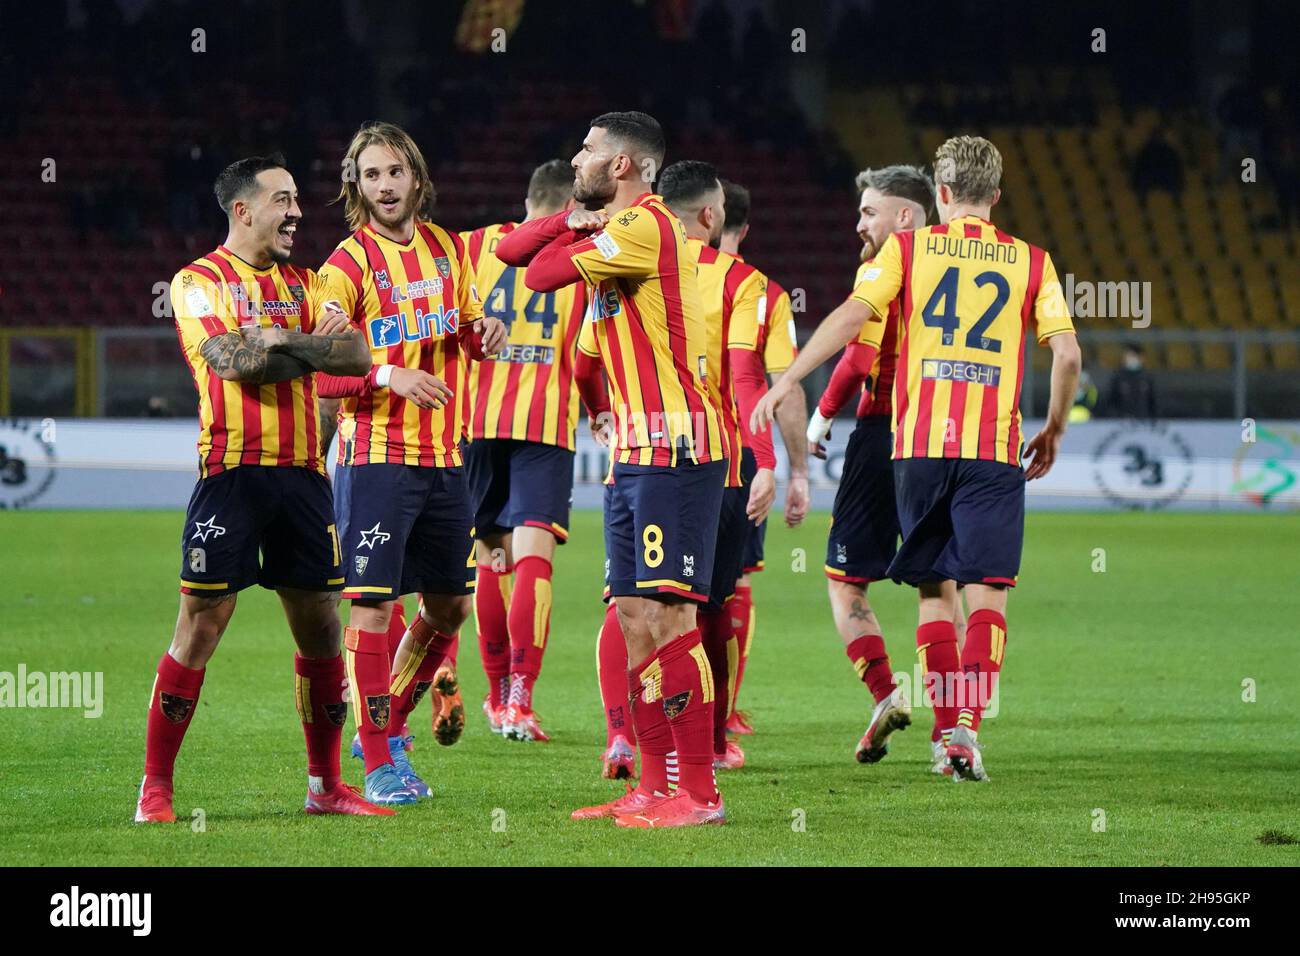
267	271
374	234
970	217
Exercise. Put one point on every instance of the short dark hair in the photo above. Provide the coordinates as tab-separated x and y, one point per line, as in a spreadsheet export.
903	182
686	181
551	184
633	128
736	197
238	179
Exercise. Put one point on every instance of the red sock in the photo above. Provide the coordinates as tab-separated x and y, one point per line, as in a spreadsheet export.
654	736
981	662
936	647
318	693
743	618
688	693
428	650
491	600
366	656
171	707
396	628
396	631
611	672
871	661
453	652
715	633
936	734
530	623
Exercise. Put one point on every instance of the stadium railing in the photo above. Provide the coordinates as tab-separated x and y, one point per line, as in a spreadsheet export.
122	372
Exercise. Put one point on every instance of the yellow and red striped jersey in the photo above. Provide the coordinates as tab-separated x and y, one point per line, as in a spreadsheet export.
649	324
968	294
527	390
878	390
732	292
409	300
771	333
242	423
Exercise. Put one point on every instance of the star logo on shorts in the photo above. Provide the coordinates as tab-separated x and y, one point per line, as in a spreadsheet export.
373	537
204	528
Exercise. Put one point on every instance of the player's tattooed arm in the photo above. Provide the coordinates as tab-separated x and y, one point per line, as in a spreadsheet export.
327	410
342	353
235	357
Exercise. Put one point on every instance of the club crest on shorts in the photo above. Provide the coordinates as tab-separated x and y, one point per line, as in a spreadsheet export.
421	688
361	561
377	707
337	714
675	704
175	708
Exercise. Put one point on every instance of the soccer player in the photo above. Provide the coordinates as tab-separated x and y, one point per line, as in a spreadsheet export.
760	344
243	314
968	293
522	428
864	521
402	499
693	193
669	448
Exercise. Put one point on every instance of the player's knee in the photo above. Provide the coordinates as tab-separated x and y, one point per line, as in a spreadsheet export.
446	612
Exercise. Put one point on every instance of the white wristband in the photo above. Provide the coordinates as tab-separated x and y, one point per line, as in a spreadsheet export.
818	427
383	375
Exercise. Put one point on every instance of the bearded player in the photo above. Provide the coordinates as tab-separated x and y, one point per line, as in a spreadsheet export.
864	527
668	445
760	343
967	294
401	494
241	314
522	428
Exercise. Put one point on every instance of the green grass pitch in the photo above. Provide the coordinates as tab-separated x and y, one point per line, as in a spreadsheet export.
1122	696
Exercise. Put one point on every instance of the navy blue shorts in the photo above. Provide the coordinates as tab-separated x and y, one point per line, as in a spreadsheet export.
863	536
962	520
285	513
520	483
661	529
729	552
755	534
405	529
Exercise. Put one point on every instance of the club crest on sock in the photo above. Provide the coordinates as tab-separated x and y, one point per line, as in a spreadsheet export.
337	713
378	707
674	705
421	688
174	708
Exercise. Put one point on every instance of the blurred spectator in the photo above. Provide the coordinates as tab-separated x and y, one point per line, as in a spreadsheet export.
1085	399
1132	392
1157	166
158	407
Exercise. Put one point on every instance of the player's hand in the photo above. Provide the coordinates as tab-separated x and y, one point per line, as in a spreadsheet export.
797	499
494	335
332	319
765	411
602	429
425	390
270	337
584	220
762	493
1043	447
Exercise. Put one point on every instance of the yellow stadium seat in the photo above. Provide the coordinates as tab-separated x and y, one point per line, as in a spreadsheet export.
1179	355
1216	355
1285	355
